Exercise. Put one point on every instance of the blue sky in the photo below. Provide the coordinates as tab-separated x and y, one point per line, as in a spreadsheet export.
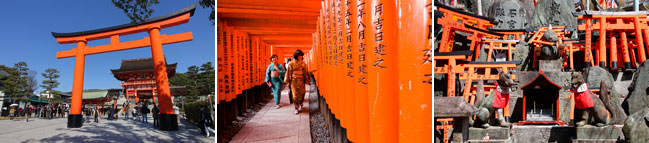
25	35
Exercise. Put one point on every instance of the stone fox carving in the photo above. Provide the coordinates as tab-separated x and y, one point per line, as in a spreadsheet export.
598	108
496	101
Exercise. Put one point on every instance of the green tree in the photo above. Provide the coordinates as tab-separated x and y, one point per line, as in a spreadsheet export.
23	88
50	82
197	80
207	78
140	10
11	83
16	85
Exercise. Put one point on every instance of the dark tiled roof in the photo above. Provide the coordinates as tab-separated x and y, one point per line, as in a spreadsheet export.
140	65
3	73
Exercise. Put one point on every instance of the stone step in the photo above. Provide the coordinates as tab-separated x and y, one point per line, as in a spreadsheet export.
594	140
491	141
495	133
594	132
542	133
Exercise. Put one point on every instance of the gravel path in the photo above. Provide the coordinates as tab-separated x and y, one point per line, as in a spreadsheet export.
319	131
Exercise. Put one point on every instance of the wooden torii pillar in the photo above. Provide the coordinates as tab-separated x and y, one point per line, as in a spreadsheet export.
168	120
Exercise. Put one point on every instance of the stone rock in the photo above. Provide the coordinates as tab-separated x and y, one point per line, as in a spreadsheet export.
509	14
637	98
522	54
529	6
486	4
635	127
441	87
549	53
550	36
554	12
594	76
483	54
550	65
440	81
453	107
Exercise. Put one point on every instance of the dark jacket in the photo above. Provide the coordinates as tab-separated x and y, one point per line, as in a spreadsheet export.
206	116
145	110
155	112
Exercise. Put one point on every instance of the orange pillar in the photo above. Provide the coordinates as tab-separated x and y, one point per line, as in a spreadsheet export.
589	56
237	63
415	72
74	121
225	62
625	50
339	65
168	120
219	62
360	43
613	52
230	62
330	48
382	70
246	62
324	49
348	30
602	42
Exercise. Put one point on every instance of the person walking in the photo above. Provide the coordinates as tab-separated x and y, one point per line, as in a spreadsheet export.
274	75
297	75
12	111
110	114
134	113
206	121
155	113
29	112
145	111
127	110
20	112
290	94
87	110
96	115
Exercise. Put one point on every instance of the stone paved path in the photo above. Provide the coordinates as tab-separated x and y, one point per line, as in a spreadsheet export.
55	130
278	125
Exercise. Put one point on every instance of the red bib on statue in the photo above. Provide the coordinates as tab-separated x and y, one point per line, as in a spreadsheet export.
583	98
502	97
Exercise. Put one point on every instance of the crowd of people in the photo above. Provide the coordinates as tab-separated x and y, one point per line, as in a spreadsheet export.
138	112
39	111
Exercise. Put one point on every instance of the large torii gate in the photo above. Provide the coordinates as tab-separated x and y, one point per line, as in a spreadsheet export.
168	120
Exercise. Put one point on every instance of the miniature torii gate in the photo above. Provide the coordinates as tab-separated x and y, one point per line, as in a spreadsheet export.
168	120
618	23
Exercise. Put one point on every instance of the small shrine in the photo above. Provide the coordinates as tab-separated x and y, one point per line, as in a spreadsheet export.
541	101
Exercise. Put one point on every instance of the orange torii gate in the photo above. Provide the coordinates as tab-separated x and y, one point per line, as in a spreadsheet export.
613	23
455	20
168	120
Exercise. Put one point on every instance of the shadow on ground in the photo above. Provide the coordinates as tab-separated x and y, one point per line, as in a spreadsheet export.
117	132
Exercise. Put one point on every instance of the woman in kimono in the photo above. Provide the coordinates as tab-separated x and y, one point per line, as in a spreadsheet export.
297	76
275	74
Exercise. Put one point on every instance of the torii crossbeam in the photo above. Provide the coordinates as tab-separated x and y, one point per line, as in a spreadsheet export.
168	120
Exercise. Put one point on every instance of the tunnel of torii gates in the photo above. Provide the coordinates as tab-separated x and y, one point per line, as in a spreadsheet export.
372	59
168	120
